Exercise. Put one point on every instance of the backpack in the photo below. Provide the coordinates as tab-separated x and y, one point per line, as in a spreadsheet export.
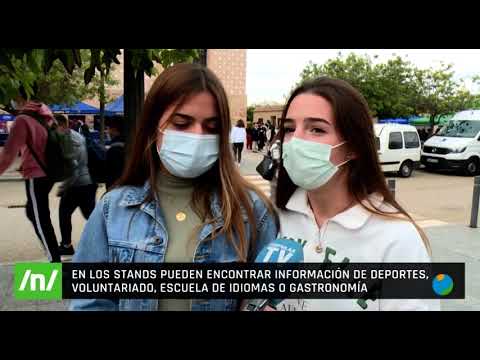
59	153
97	158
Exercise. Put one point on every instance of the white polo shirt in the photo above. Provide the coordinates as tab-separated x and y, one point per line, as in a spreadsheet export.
359	236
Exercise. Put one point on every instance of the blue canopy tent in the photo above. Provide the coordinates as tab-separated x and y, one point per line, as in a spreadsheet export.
393	121
4	129
115	107
7	117
79	108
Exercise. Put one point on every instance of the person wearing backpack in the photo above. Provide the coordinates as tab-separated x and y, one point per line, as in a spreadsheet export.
78	191
29	136
115	156
97	156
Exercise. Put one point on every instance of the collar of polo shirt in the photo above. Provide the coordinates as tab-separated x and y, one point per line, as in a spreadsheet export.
353	218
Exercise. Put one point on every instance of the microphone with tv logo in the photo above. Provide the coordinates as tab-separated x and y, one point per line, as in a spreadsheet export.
282	250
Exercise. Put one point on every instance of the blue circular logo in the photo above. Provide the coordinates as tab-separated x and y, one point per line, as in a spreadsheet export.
442	284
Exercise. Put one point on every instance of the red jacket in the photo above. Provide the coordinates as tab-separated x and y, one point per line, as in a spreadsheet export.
25	130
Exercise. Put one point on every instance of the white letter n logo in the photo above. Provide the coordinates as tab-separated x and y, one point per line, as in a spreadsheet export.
41	281
38	281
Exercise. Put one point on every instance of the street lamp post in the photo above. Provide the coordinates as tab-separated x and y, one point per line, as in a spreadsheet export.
134	93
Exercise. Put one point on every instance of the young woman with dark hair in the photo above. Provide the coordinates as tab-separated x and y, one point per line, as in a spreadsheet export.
332	195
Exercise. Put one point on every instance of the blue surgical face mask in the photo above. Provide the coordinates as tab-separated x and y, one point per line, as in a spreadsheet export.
188	155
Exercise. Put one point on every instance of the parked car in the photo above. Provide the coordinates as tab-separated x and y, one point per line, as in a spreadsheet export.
398	148
456	145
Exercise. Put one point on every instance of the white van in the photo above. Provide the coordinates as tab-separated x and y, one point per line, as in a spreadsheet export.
398	148
456	145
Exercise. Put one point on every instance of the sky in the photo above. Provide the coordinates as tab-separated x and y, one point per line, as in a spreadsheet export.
271	73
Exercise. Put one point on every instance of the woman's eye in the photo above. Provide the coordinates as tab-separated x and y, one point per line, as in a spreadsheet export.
318	130
212	126
289	130
212	129
181	125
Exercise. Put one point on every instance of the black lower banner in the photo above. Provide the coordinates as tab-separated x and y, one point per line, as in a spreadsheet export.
266	280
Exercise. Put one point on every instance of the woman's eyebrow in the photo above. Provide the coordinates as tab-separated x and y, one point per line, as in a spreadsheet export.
185	116
315	119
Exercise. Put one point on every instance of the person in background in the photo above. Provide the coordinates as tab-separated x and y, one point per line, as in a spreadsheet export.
272	134
262	136
26	135
78	191
115	157
78	125
238	138
255	138
268	132
249	136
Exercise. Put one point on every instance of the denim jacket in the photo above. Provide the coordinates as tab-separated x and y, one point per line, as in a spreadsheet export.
125	229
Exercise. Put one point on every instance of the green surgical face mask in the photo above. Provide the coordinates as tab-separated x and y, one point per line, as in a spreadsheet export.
308	162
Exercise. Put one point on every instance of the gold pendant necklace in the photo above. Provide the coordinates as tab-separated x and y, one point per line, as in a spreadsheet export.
181	216
180	213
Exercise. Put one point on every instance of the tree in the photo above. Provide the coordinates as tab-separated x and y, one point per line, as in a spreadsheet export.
397	88
21	68
386	87
137	62
250	111
57	86
439	94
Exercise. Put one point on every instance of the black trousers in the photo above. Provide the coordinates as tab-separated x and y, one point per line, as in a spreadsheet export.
237	151
78	196
38	212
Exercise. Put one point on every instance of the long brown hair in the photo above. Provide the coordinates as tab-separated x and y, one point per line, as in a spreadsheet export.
176	85
354	123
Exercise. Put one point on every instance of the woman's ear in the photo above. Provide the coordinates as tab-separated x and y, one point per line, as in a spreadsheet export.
350	155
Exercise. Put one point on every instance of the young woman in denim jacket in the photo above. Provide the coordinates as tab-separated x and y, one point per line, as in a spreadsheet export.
181	197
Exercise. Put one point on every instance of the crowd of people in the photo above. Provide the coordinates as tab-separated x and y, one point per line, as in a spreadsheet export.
259	135
256	137
52	152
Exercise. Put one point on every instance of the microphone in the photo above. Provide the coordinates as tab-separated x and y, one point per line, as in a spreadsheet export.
282	250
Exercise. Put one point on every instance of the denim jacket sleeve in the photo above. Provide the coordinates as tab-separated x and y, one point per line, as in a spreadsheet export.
267	225
93	247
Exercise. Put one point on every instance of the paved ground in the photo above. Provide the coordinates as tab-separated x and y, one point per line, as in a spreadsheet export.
443	196
439	202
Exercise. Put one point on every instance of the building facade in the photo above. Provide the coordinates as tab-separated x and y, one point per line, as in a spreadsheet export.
266	113
230	65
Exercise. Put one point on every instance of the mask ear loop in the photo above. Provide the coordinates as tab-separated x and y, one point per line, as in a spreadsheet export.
335	146
343	163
